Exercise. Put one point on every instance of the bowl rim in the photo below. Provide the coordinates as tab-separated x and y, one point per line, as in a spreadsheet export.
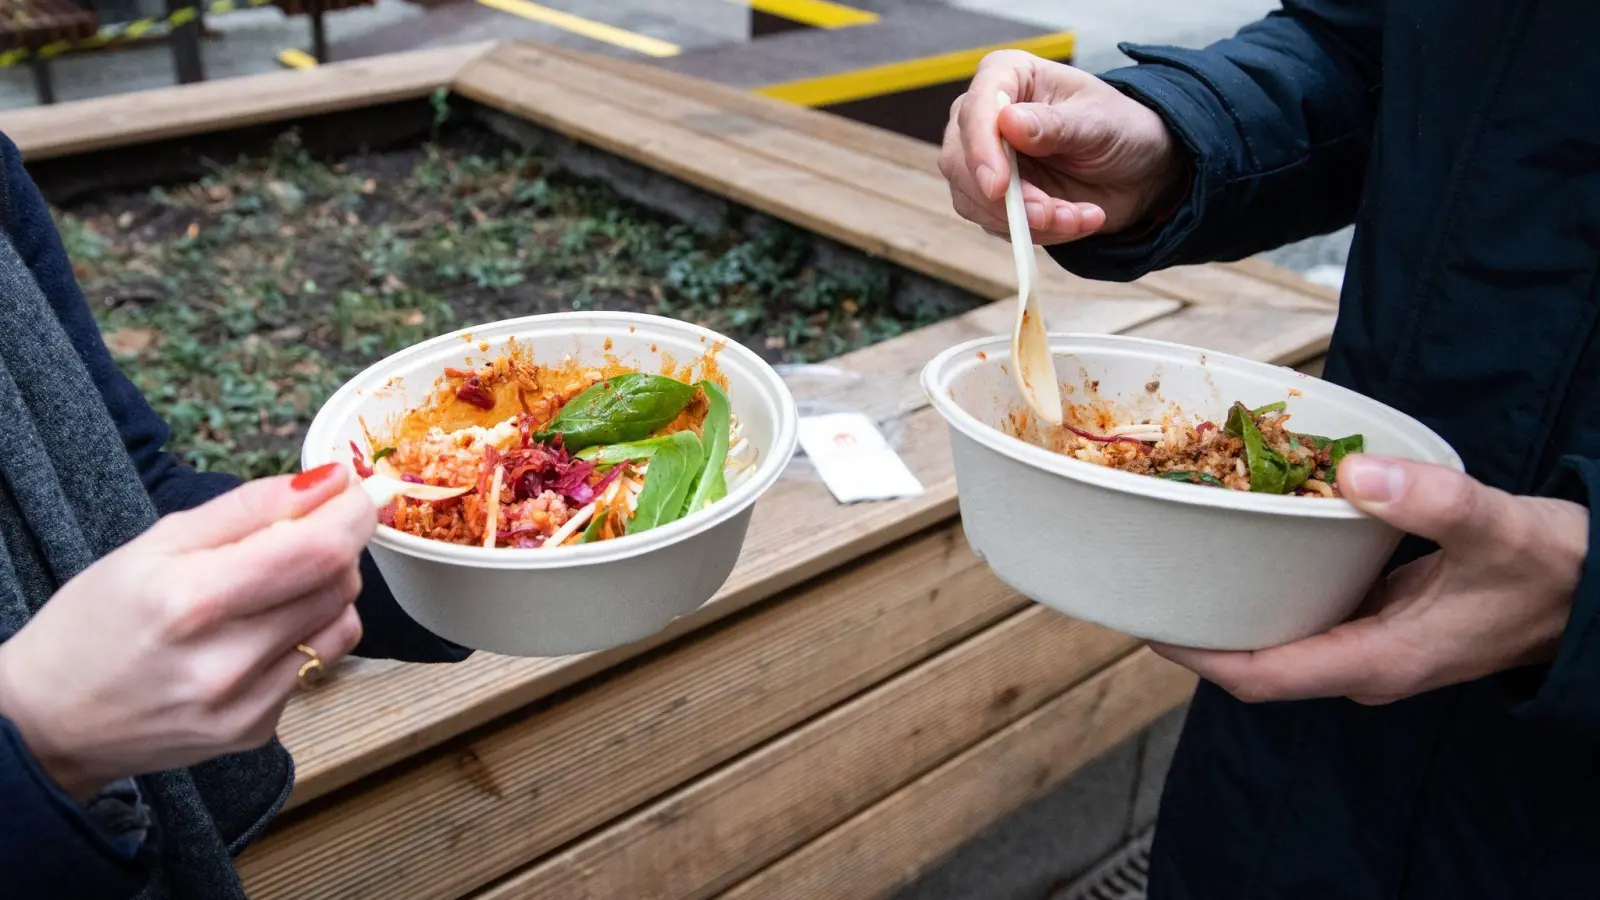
768	469
997	347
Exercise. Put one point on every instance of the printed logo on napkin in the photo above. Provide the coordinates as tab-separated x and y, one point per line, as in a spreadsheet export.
854	460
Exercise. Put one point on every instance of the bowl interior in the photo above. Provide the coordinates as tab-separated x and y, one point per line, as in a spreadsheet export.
1114	380
401	382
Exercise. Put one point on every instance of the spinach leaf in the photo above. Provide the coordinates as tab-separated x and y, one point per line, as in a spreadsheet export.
612	454
628	407
1270	473
1280	406
1298	475
1191	477
1337	449
711	484
666	484
387	451
1238	415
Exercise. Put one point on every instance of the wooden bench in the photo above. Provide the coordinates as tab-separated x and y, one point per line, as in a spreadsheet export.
862	696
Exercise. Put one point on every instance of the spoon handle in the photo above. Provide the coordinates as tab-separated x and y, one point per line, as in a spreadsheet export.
1032	365
381	490
1017	221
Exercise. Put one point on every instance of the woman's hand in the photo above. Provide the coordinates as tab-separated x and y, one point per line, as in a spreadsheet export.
180	646
1092	158
1496	596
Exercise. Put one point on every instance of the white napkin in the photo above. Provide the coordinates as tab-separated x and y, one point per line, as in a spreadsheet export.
854	460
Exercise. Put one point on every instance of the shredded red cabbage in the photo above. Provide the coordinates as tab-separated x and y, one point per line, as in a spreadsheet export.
1112	439
538	467
585	493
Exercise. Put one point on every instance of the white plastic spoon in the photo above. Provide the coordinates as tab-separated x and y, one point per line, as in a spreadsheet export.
1032	367
382	489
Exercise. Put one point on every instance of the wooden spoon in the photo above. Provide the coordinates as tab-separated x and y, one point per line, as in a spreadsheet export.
1032	367
382	489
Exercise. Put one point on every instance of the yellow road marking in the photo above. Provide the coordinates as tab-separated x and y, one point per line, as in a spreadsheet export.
816	13
297	59
588	28
907	75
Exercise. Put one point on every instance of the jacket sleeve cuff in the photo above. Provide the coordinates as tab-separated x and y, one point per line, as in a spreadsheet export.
1193	124
1570	692
49	844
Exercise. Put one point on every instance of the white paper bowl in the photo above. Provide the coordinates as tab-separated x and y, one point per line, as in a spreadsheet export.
558	601
1177	563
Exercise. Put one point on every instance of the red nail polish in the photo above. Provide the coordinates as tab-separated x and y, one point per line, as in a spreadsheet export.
310	478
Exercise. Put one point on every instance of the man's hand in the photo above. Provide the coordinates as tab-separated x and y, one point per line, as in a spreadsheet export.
1092	158
1495	596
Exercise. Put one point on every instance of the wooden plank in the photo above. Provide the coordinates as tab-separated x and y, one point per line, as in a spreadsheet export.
806	142
734	822
886	846
1285	337
562	771
719	152
1256	267
654	91
43	132
1313	367
377	713
881	143
1221	284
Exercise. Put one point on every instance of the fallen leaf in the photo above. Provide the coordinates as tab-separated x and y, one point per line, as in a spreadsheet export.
413	317
131	341
776	342
125	220
193	231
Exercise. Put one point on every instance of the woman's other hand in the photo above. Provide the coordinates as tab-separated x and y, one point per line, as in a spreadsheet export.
1092	158
1497	595
181	645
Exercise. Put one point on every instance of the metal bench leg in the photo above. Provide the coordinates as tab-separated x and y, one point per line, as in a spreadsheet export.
185	41
319	37
43	85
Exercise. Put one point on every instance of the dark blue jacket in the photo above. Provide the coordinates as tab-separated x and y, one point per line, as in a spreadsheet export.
1463	139
48	846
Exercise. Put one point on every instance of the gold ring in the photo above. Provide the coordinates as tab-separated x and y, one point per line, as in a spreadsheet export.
313	671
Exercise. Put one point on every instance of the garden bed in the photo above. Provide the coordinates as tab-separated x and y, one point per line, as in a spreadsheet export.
239	301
